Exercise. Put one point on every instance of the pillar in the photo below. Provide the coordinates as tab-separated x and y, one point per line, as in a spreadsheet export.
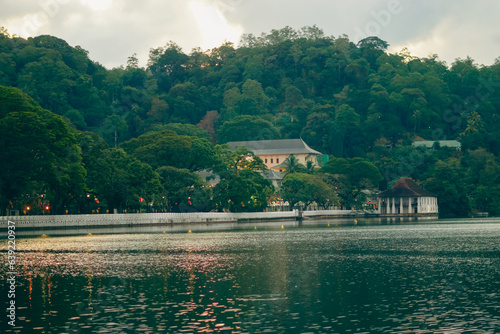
409	205
419	204
388	210
379	205
393	205
401	205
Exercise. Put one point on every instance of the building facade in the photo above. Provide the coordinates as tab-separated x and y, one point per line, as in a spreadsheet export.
407	198
455	144
274	152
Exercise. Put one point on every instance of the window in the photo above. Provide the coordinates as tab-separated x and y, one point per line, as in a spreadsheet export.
266	160
277	160
271	160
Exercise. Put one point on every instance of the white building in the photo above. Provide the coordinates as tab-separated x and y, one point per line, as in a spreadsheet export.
441	143
274	152
406	198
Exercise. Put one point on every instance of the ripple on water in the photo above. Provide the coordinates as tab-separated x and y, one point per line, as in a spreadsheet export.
419	279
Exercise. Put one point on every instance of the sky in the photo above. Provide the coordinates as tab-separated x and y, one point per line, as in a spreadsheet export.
113	30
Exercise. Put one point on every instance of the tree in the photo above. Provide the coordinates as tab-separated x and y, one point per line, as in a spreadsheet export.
245	191
167	148
187	102
487	199
345	99
252	94
448	186
159	110
486	196
345	127
247	127
114	128
184	130
121	180
474	136
317	131
292	165
351	178
38	149
232	162
185	191
241	188
306	189
208	124
168	65
373	42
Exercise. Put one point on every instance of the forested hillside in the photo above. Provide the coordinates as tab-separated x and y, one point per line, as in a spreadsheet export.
344	99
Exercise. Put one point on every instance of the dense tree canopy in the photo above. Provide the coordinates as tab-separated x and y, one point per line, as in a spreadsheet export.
344	99
185	191
167	148
352	179
306	188
244	191
39	153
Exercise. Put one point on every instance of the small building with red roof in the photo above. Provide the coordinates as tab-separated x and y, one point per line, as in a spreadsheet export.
407	198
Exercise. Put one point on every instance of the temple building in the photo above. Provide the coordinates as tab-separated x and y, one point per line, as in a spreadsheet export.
407	198
274	152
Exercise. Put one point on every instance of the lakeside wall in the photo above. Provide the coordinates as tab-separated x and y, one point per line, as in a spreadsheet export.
137	219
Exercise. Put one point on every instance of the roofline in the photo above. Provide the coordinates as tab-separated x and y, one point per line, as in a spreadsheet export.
307	147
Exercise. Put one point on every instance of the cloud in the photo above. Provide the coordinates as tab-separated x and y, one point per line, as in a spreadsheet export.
462	29
213	26
112	30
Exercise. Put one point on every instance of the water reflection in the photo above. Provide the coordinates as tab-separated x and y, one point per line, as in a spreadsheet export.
314	279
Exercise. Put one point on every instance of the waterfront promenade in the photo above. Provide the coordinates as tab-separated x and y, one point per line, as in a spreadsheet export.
139	219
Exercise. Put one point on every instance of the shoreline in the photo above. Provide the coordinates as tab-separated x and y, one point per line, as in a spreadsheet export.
68	222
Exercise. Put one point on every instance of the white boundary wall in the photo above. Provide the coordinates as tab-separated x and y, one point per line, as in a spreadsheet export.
136	219
320	213
129	219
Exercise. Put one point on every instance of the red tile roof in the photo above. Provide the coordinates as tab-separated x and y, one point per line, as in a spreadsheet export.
406	187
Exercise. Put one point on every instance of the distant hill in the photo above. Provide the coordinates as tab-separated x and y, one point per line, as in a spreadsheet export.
340	97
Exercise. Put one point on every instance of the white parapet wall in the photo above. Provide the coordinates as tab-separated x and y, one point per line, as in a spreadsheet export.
75	221
330	213
137	219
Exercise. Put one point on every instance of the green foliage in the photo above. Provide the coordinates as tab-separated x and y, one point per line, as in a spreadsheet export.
362	174
351	178
184	130
246	127
185	191
208	124
231	162
56	75
292	165
166	148
39	152
448	185
246	191
291	73
241	188
344	99
121	180
307	188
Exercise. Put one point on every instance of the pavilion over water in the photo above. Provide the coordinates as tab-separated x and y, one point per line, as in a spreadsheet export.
407	198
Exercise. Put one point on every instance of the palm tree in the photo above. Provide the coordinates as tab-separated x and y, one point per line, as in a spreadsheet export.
292	165
310	167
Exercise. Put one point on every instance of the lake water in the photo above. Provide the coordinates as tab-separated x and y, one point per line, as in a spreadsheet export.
321	277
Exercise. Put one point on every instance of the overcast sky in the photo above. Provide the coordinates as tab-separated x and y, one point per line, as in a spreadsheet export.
113	30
